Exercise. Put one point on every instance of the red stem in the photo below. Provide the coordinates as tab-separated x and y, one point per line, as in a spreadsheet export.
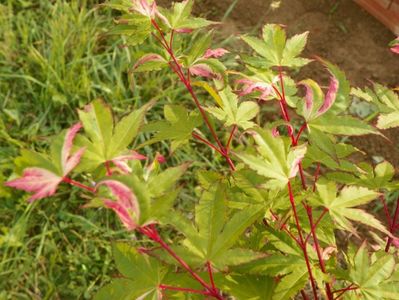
303	127
198	137
108	167
284	227
386	211
233	130
178	70
209	267
187	290
344	290
152	233
302	241
284	110
302	175
317	223
393	225
316	176
171	40
318	250
78	184
304	296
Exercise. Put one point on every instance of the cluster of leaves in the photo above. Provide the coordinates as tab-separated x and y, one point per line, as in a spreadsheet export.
264	229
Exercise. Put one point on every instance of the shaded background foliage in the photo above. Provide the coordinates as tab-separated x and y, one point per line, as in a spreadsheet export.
55	56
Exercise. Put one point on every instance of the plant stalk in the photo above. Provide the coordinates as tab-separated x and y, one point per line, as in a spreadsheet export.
393	226
302	241
153	234
78	184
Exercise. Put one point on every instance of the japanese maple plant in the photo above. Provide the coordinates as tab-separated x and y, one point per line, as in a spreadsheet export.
281	217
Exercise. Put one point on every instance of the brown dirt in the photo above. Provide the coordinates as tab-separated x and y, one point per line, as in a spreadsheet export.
348	36
340	31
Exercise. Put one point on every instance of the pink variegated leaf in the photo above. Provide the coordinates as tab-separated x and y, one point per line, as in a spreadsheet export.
330	96
145	8
309	100
202	70
68	160
184	30
121	161
249	86
160	158
41	182
395	46
275	132
151	57
122	213
219	52
295	157
126	205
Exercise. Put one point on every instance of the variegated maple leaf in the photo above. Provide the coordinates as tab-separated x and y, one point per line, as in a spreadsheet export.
125	206
43	180
395	46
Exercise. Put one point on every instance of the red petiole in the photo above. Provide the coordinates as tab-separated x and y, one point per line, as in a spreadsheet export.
78	184
344	290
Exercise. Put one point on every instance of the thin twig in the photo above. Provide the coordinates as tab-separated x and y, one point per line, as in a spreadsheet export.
233	130
302	241
198	137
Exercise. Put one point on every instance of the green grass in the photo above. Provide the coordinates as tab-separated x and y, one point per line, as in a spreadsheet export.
55	57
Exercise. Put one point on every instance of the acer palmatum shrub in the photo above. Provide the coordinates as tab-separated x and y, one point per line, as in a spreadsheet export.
265	225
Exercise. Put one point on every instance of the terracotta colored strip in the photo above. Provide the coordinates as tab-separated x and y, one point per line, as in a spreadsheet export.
389	17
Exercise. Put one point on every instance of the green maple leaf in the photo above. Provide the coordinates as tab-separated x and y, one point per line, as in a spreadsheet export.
179	17
177	127
342	209
214	234
275	160
142	276
374	276
276	50
386	101
104	139
233	113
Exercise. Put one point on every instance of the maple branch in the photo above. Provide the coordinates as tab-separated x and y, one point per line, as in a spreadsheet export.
186	82
393	225
317	246
316	177
78	184
233	130
386	210
151	232
317	223
198	137
284	111
301	130
209	267
351	287
284	227
302	241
